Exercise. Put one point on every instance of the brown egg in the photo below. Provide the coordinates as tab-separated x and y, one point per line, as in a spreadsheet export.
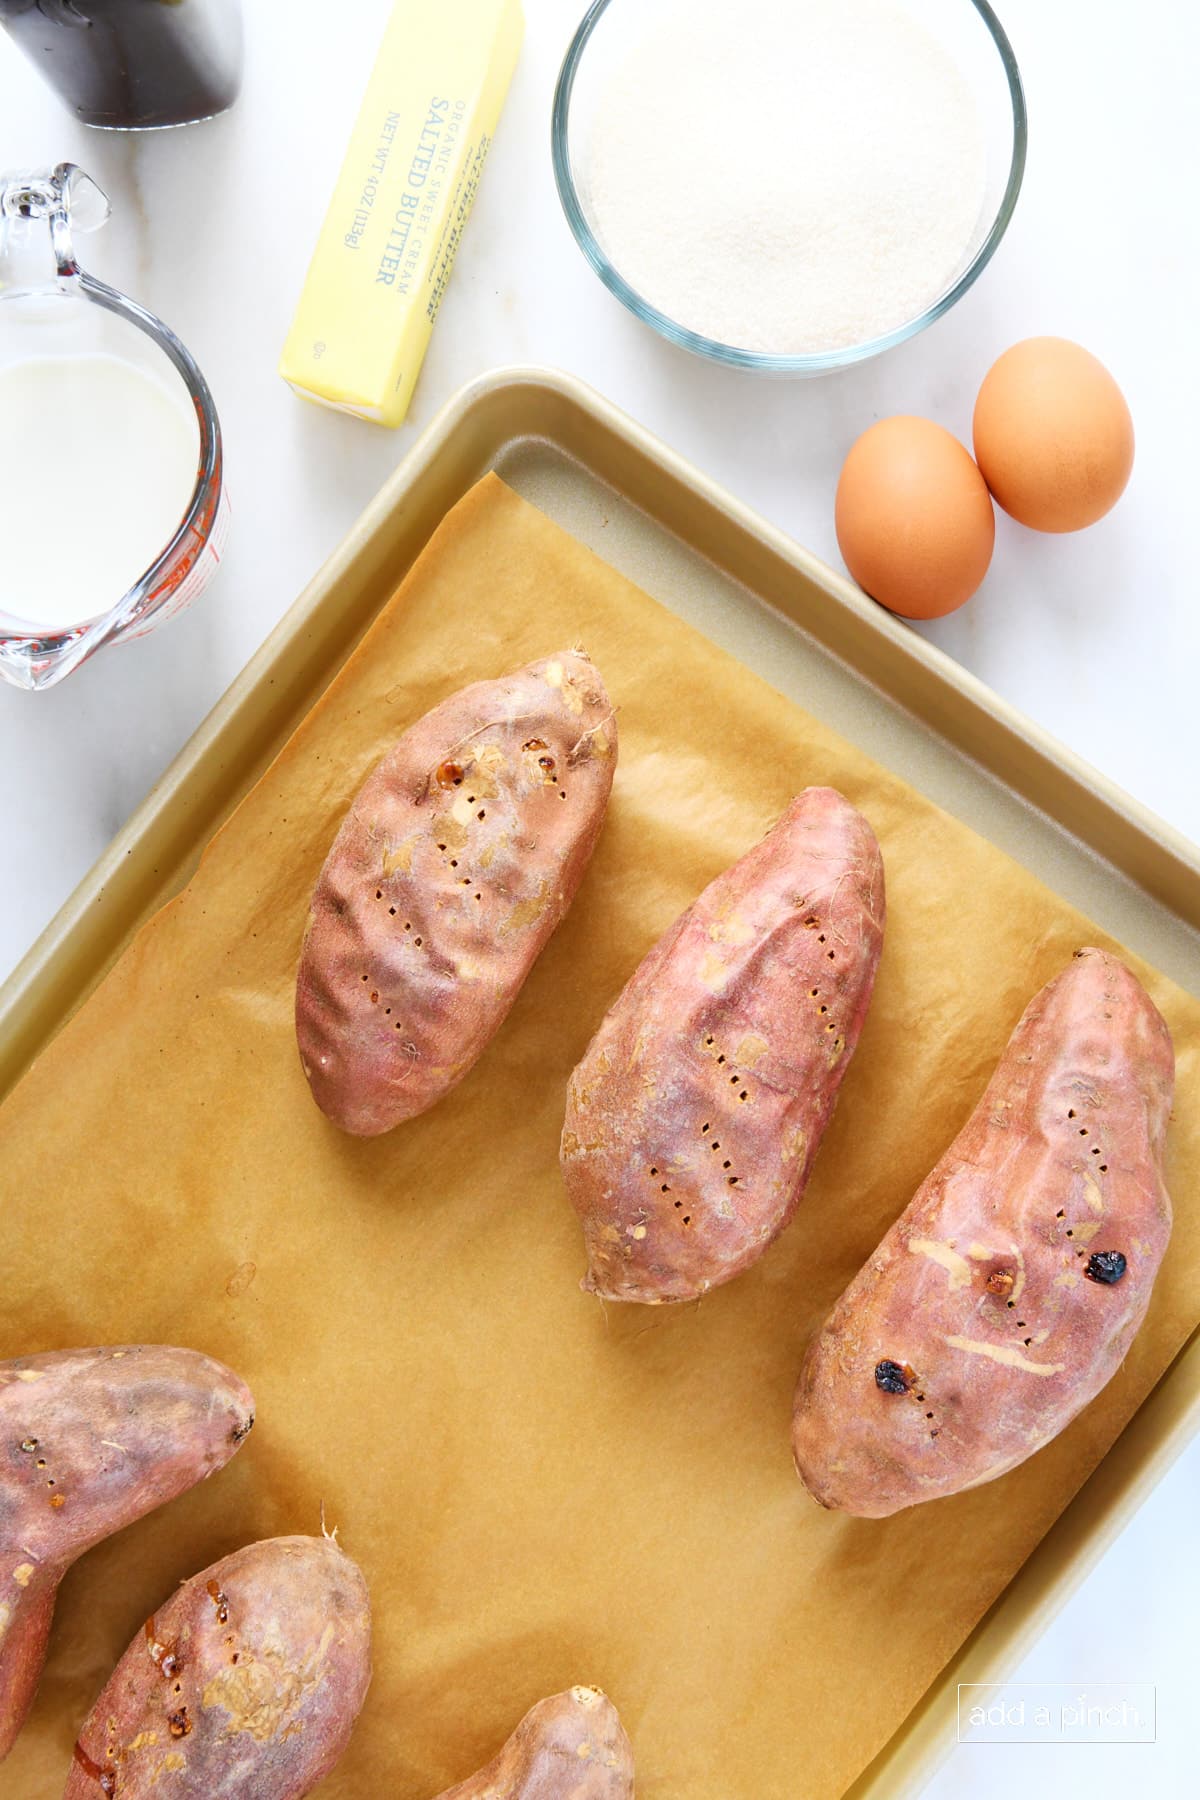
914	518
1053	435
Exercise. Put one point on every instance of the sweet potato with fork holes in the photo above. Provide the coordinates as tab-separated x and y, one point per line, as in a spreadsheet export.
694	1117
246	1682
89	1441
1007	1294
459	857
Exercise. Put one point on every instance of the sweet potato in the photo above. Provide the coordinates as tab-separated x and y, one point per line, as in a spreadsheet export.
89	1441
246	1682
1005	1297
570	1747
459	857
693	1119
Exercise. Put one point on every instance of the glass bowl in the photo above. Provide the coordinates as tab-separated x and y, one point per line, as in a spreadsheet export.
967	29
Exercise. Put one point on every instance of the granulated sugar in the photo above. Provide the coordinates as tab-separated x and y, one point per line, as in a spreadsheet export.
786	175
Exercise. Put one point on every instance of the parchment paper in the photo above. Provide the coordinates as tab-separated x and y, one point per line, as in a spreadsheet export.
540	1492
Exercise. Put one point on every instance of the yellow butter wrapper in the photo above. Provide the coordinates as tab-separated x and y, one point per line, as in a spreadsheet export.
404	194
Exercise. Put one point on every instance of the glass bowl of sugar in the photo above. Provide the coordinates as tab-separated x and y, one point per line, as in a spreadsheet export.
789	186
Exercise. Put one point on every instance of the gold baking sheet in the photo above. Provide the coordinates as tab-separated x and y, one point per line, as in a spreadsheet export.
539	1491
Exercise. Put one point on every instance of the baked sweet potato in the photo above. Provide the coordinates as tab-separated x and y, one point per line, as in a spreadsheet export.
570	1747
89	1441
247	1682
459	857
1005	1297
693	1119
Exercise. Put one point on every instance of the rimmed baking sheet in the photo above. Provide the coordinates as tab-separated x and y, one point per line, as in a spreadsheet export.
816	641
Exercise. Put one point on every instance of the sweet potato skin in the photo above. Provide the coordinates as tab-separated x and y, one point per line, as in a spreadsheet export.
993	1324
458	859
89	1441
246	1682
570	1747
694	1117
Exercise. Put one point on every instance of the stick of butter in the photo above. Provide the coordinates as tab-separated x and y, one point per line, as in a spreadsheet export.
406	188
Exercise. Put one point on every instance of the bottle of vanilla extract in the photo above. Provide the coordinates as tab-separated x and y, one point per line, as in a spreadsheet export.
133	65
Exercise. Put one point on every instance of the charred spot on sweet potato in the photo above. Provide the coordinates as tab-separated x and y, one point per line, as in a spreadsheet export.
164	1656
893	1377
107	1778
1106	1267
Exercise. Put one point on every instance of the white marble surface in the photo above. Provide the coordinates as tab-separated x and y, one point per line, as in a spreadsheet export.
1097	637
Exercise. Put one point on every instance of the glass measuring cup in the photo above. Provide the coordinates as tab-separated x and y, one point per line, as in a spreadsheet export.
50	305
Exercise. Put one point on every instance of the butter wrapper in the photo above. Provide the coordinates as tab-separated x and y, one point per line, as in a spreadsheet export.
403	197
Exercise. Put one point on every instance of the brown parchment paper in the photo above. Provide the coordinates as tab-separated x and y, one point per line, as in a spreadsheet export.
539	1491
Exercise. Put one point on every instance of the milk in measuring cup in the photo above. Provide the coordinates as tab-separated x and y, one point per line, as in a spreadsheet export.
98	462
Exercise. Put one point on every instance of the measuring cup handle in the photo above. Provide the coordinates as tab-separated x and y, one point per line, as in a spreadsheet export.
40	211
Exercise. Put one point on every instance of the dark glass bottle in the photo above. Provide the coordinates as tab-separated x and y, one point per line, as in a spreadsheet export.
132	65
